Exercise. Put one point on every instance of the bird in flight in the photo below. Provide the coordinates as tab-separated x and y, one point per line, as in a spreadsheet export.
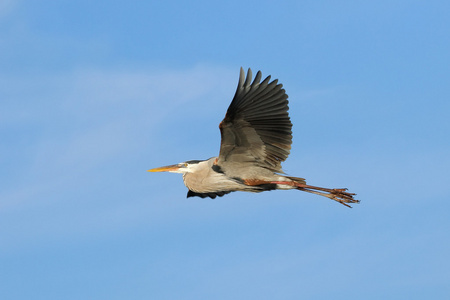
256	137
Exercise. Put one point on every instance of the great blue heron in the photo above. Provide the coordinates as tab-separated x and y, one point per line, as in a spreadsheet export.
256	138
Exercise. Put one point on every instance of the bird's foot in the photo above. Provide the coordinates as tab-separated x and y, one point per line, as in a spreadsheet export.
341	196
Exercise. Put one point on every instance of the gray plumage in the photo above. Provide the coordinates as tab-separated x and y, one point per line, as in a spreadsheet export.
256	137
256	128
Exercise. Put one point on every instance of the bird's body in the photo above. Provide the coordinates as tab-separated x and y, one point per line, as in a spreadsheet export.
206	178
256	138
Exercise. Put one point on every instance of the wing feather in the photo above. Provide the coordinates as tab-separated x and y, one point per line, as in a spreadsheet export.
256	128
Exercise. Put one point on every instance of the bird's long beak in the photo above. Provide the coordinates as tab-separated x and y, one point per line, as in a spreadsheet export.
165	169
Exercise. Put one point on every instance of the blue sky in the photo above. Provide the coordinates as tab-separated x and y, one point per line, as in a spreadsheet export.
94	93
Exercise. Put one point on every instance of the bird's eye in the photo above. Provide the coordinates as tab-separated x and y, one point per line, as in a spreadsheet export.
185	165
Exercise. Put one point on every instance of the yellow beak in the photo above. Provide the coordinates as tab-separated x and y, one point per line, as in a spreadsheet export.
165	169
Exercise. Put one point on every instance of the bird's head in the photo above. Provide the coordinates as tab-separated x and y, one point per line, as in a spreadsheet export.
184	167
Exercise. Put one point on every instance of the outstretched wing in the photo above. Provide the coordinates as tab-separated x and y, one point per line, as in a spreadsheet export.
256	128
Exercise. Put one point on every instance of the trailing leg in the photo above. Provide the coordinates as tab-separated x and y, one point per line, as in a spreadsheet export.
339	195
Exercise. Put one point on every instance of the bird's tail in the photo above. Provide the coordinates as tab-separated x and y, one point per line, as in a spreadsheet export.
339	195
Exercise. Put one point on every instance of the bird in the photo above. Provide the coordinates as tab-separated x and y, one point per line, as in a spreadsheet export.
256	137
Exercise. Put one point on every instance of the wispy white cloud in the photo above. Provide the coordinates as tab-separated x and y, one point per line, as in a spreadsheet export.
7	6
80	126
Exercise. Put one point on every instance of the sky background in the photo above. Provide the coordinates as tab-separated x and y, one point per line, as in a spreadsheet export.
94	93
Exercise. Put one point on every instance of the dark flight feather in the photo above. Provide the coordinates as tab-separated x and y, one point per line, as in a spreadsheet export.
204	195
257	127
